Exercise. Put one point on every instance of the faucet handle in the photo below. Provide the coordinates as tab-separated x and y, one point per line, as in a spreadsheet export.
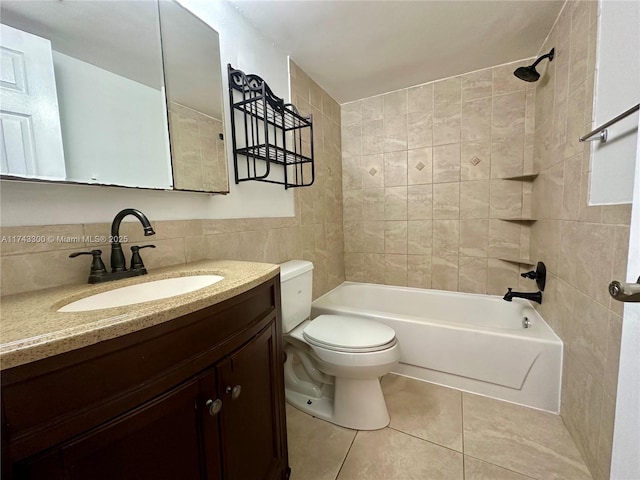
97	265
136	259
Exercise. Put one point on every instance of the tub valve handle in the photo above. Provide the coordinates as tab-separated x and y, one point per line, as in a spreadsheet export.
539	275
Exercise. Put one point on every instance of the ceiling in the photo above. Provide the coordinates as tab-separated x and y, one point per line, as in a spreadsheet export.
356	49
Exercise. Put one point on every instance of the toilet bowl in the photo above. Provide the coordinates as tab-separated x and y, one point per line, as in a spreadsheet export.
334	362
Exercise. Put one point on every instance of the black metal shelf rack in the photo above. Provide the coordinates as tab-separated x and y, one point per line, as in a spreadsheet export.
266	132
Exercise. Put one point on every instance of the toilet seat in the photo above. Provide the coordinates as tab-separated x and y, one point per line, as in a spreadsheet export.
340	333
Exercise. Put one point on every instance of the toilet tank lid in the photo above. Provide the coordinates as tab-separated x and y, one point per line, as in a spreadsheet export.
293	268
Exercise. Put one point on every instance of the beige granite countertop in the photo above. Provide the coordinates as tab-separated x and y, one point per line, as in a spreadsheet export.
32	329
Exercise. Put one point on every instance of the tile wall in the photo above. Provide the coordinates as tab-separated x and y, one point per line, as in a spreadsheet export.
426	186
314	234
584	247
198	156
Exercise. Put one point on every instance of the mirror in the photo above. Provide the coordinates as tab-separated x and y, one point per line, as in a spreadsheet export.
82	94
193	79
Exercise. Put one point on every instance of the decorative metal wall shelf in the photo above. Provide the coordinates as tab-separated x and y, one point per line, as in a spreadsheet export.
267	132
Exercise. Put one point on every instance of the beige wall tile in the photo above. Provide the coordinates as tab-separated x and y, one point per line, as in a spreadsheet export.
474	199
475	160
474	235
394	103
373	203
505	199
372	137
372	108
419	166
395	203
373	171
395	133
395	169
508	114
352	141
351	173
444	272
503	79
446	235
477	85
472	274
500	276
507	156
504	239
476	120
419	271
373	237
374	268
395	237
420	202
395	269
420	98
446	200
419	237
420	129
446	163
351	114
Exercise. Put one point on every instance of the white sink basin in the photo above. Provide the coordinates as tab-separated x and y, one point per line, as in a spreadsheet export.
142	292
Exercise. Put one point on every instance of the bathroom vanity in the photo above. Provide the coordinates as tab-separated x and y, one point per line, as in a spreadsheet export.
188	387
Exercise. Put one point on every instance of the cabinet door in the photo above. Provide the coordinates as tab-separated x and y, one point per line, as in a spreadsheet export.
250	416
170	437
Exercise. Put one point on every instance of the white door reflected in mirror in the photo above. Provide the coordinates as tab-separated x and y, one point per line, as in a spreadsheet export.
31	143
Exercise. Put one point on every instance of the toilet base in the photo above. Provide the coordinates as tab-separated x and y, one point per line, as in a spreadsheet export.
356	403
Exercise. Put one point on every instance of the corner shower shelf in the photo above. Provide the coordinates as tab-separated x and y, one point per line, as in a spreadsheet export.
518	219
525	177
267	132
519	261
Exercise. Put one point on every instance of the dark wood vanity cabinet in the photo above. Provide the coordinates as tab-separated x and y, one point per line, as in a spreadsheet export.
199	397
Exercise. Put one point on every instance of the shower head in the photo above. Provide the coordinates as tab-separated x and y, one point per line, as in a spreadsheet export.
530	74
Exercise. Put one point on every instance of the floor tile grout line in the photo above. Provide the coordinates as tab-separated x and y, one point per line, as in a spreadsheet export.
347	454
425	440
501	466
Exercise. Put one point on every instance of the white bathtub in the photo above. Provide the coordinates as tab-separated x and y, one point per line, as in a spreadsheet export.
475	343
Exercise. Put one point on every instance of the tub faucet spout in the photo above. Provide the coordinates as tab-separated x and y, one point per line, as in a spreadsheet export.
533	296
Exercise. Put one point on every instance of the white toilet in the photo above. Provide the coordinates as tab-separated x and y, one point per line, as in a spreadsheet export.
334	362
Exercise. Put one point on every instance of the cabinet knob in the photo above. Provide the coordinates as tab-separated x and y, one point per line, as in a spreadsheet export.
235	391
214	406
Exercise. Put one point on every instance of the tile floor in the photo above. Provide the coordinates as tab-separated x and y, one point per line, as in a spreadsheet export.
436	433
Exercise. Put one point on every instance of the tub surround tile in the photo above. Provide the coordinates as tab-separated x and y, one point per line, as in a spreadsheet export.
424	410
446	163
446	201
475	160
372	137
372	171
395	269
494	431
394	455
419	271
472	274
395	169
420	202
477	85
419	166
395	203
461	136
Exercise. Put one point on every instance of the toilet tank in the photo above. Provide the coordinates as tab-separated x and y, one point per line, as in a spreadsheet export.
296	280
